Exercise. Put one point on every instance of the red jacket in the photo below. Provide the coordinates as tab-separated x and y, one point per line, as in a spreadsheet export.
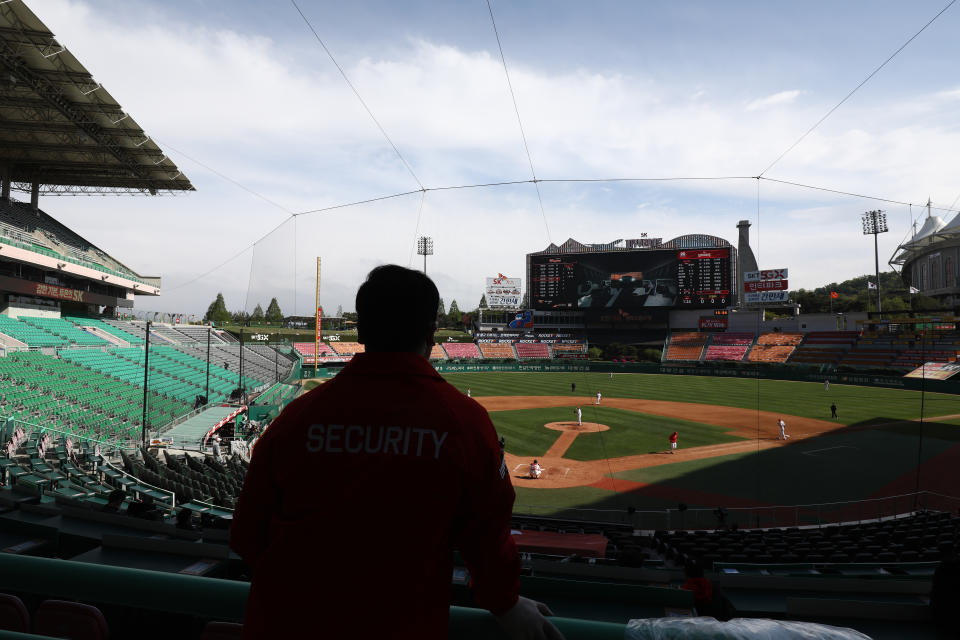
673	437
355	498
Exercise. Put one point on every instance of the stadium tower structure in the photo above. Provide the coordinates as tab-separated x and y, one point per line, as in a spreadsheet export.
61	132
930	259
631	290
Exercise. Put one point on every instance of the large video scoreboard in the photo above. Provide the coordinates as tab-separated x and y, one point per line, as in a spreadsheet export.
676	278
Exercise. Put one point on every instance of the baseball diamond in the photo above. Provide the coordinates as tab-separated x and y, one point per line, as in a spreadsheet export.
729	453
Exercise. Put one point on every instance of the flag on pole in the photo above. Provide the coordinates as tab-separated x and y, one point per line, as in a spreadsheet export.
834	295
914	290
871	285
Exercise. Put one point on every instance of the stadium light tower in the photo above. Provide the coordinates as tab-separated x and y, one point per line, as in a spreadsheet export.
875	222
424	248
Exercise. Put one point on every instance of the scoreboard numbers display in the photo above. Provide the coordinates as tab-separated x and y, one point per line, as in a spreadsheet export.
630	280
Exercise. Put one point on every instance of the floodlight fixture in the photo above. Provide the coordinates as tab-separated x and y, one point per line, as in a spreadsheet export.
424	248
874	223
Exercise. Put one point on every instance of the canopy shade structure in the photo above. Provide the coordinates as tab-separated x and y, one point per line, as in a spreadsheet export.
60	128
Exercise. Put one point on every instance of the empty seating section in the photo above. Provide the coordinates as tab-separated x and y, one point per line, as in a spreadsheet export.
102	325
686	345
307	349
128	328
436	353
780	338
533	350
726	352
34	230
173	374
257	369
191	478
497	350
199	334
568	348
684	351
29	334
770	353
66	330
729	346
775	347
62	394
922	537
824	347
461	350
277	394
732	338
169	334
347	348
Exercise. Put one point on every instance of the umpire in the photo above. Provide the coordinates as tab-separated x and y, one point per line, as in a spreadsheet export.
359	491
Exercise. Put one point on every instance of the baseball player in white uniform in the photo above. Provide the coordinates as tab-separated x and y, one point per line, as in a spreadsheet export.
579	417
535	469
598	397
826	385
783	426
468	392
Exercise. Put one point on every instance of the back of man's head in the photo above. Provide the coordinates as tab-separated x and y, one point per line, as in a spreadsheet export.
396	309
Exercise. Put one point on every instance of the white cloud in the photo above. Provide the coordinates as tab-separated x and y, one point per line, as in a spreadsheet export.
283	123
775	100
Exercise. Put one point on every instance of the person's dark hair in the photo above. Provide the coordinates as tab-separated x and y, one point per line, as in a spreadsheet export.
396	308
693	569
116	497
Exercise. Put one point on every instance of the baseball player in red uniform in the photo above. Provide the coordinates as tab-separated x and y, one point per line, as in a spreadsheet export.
673	442
351	509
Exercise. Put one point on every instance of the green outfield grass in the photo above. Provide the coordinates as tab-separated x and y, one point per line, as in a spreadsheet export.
855	404
630	432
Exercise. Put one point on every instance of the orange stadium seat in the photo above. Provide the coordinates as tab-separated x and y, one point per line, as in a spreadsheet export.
780	338
689	337
347	348
497	350
436	353
684	351
770	353
569	348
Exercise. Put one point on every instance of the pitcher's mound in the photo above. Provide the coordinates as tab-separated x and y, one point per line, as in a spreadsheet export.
586	427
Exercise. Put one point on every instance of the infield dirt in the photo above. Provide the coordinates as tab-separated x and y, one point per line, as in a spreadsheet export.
758	427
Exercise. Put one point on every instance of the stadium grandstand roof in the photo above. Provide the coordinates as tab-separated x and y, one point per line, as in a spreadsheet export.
60	128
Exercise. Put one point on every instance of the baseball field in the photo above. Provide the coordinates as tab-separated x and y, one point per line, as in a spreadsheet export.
883	443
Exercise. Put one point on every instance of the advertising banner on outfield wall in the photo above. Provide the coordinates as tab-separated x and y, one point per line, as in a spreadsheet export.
503	292
935	371
767	296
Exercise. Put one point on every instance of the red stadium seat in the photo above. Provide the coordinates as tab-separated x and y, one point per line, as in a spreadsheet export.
74	620
13	615
222	631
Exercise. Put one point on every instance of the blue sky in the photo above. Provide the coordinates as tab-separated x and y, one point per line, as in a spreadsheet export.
605	89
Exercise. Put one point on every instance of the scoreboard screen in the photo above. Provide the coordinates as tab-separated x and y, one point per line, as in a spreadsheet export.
677	278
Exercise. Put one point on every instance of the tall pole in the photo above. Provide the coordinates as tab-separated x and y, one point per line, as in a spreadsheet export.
240	381
874	223
206	398
318	331
146	371
424	248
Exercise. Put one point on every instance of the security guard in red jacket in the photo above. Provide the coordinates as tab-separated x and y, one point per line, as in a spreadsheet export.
359	491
